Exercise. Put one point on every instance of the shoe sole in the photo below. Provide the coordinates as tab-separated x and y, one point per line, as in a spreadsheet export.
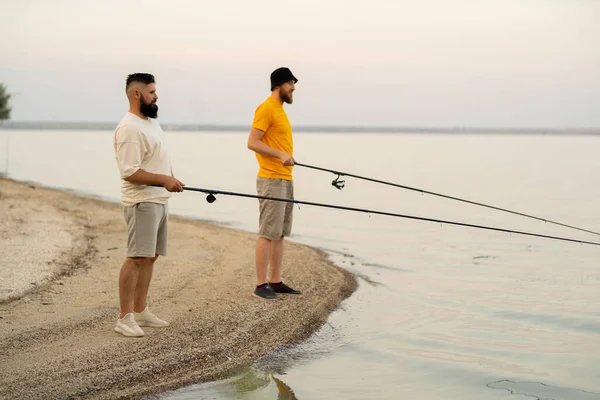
151	325
118	330
287	293
266	298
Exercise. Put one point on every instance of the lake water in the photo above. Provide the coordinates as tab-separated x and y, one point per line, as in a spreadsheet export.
441	312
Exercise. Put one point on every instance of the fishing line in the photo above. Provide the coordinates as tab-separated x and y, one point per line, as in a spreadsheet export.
541	384
212	192
339	184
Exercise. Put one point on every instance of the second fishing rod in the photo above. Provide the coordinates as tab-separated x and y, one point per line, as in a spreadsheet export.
212	192
340	184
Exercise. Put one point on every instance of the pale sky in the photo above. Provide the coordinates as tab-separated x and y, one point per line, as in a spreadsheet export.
438	63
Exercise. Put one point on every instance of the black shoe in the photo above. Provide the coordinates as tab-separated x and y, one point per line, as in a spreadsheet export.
265	292
283	288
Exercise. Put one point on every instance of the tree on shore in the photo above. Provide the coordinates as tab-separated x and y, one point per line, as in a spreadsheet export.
4	103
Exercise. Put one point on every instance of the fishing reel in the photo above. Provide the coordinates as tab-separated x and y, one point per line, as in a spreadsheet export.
211	198
337	183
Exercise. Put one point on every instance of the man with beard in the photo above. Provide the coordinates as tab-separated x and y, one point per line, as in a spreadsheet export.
271	139
143	161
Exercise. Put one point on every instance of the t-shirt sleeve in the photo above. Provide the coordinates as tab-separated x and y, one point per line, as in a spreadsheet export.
129	151
262	117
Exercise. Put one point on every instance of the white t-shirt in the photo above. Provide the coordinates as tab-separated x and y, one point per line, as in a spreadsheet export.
140	144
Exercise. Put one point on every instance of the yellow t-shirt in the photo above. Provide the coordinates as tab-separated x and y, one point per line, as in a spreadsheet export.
270	117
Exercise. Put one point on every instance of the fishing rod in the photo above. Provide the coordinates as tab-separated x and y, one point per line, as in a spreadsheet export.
339	184
212	192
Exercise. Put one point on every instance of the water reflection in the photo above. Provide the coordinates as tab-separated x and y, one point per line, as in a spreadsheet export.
250	381
252	384
284	391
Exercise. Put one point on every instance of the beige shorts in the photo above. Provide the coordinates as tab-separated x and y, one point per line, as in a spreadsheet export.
275	218
146	229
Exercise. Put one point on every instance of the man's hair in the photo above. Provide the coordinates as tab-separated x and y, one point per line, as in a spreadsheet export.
139	77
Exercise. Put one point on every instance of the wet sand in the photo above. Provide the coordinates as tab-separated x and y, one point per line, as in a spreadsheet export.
59	265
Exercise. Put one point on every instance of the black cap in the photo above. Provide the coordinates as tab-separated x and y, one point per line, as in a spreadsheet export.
280	76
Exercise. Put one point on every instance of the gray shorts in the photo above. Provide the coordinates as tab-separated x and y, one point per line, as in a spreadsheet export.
275	218
146	229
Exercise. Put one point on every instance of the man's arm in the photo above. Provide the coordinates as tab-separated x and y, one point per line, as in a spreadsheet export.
129	152
141	177
255	144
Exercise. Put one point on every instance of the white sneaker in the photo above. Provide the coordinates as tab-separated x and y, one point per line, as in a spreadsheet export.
146	318
128	327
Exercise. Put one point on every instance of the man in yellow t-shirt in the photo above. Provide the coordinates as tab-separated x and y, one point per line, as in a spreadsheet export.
271	139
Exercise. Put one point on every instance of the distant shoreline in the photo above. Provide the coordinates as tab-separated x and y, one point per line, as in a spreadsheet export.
23	125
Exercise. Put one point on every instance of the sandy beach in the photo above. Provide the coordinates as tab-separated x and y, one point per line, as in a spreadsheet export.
59	264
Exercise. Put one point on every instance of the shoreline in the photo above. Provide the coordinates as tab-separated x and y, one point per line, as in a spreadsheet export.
57	338
390	129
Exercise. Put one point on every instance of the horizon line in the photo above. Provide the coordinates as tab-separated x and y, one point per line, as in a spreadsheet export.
300	128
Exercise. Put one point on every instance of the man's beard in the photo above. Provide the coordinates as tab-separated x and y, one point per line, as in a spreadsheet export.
287	97
148	109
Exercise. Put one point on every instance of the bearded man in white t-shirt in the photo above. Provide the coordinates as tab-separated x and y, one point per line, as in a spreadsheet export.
143	162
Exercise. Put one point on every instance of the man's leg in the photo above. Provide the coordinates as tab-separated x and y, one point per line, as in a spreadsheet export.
277	246
143	283
276	259
275	271
268	210
263	248
147	230
142	314
128	281
270	222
